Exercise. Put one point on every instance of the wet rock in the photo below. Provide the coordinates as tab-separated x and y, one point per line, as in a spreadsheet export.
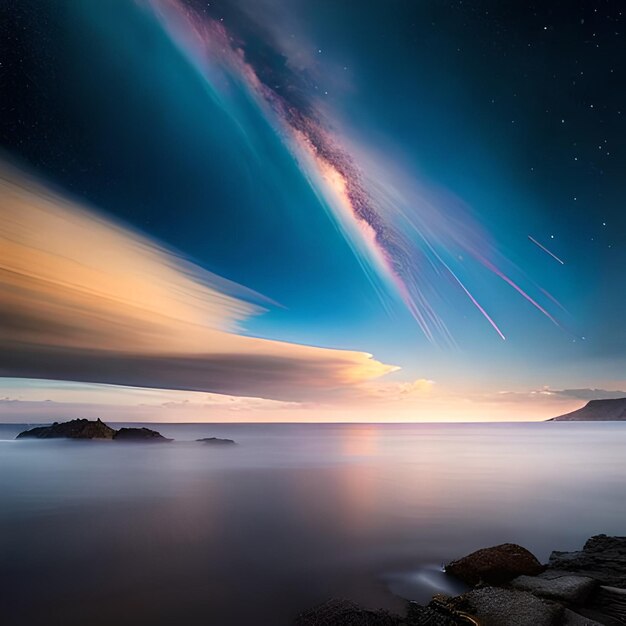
609	602
561	586
437	613
140	434
496	565
337	612
493	606
602	558
74	429
216	441
571	618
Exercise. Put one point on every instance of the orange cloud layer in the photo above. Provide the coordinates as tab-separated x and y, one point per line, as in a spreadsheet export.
86	299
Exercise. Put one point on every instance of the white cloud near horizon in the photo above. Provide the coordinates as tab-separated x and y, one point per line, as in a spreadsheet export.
591	394
547	393
376	401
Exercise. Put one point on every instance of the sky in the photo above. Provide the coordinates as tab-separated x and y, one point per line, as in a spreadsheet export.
278	210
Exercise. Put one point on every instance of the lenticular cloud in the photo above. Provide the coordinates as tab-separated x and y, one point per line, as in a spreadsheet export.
86	299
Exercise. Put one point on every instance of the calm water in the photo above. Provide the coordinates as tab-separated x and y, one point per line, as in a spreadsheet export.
103	533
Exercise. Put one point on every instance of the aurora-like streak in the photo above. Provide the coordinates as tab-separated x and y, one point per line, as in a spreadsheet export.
409	242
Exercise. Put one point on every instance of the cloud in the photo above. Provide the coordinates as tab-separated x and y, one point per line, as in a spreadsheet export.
229	403
518	396
546	393
85	299
397	391
591	394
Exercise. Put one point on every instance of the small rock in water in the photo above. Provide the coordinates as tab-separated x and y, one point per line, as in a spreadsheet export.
216	441
495	565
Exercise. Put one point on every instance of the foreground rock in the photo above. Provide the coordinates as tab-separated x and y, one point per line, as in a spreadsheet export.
438	612
495	565
75	429
338	612
570	618
561	586
216	441
493	606
86	429
140	434
609	604
602	558
587	587
575	594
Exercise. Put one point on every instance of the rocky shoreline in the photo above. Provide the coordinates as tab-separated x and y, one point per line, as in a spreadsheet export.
510	587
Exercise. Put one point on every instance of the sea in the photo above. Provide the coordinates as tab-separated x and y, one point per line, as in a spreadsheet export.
183	533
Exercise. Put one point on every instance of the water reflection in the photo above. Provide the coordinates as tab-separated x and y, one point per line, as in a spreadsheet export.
185	533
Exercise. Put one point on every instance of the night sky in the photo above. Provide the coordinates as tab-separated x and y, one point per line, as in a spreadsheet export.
438	184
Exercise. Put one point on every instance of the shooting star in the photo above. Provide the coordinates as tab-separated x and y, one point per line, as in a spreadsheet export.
546	250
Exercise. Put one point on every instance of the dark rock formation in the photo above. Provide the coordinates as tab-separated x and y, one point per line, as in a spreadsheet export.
139	434
346	613
337	612
437	613
602	558
571	618
216	441
495	565
561	586
86	429
75	429
609	605
493	606
596	410
571	595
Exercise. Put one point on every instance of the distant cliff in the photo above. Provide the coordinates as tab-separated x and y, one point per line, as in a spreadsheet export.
596	411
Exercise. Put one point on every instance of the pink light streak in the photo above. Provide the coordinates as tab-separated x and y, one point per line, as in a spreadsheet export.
373	226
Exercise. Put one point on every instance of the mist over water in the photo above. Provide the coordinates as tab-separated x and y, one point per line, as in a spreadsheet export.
107	533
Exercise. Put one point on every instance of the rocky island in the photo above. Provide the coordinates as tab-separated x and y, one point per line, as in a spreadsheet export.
216	441
139	434
508	586
597	411
91	429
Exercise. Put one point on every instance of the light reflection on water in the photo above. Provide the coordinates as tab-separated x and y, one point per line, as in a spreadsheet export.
193	534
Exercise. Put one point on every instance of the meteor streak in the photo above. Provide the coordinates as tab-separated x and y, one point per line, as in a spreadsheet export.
546	250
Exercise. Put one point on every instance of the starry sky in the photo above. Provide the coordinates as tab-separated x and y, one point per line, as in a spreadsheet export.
346	210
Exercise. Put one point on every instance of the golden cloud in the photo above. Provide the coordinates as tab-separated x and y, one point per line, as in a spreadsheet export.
86	299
